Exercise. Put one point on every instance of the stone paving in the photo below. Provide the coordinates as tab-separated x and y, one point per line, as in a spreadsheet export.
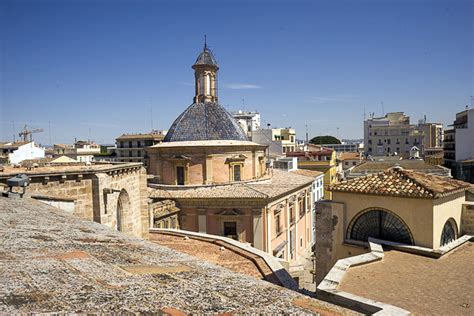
52	262
422	285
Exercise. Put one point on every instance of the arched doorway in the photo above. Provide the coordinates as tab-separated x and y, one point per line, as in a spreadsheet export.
123	211
381	224
449	233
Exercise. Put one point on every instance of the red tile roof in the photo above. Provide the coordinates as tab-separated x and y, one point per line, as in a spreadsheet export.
403	183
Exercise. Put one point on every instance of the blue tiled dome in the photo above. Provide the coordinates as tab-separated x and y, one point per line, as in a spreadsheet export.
206	58
205	121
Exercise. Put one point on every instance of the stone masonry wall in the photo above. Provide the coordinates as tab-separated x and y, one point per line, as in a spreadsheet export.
327	221
77	188
130	184
96	195
467	219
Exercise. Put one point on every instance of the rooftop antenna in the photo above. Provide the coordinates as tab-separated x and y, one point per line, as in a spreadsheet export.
472	100
364	113
306	126
383	110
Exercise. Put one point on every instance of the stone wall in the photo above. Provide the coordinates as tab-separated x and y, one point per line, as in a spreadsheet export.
96	194
327	221
467	219
331	244
130	187
76	187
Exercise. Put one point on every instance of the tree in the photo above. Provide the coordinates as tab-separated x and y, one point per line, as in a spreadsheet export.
320	140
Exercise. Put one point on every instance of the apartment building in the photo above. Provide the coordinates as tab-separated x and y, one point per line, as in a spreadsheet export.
279	140
459	146
434	134
131	147
392	134
313	157
248	120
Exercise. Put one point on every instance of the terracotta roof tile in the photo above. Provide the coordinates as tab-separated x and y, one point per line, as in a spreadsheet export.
350	156
279	183
308	173
404	183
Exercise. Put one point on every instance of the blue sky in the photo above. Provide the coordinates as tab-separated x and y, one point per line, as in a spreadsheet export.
96	68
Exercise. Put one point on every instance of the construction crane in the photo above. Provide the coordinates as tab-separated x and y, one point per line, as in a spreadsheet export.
25	132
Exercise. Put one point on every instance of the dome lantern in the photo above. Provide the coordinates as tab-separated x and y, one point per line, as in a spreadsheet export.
205	76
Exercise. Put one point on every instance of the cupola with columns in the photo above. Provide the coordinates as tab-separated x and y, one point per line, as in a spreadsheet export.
205	76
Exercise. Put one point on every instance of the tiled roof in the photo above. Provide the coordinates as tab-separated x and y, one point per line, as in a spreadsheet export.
322	152
206	58
205	121
281	182
308	173
379	166
349	156
225	191
403	183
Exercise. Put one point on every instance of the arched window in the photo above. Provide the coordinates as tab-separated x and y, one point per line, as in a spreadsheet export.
380	224
449	232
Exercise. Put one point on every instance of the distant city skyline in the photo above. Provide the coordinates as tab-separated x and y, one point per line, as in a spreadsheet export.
98	69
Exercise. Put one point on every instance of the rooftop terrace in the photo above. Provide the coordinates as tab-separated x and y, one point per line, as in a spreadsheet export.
422	285
53	262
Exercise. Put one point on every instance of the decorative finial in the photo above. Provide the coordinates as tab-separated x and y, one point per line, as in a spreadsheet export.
205	41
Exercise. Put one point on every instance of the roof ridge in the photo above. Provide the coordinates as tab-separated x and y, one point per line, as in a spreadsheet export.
254	189
407	173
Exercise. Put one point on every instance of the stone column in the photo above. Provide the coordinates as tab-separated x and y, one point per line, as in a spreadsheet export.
257	228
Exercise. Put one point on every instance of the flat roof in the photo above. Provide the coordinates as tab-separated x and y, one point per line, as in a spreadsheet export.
53	262
9	171
419	284
146	136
